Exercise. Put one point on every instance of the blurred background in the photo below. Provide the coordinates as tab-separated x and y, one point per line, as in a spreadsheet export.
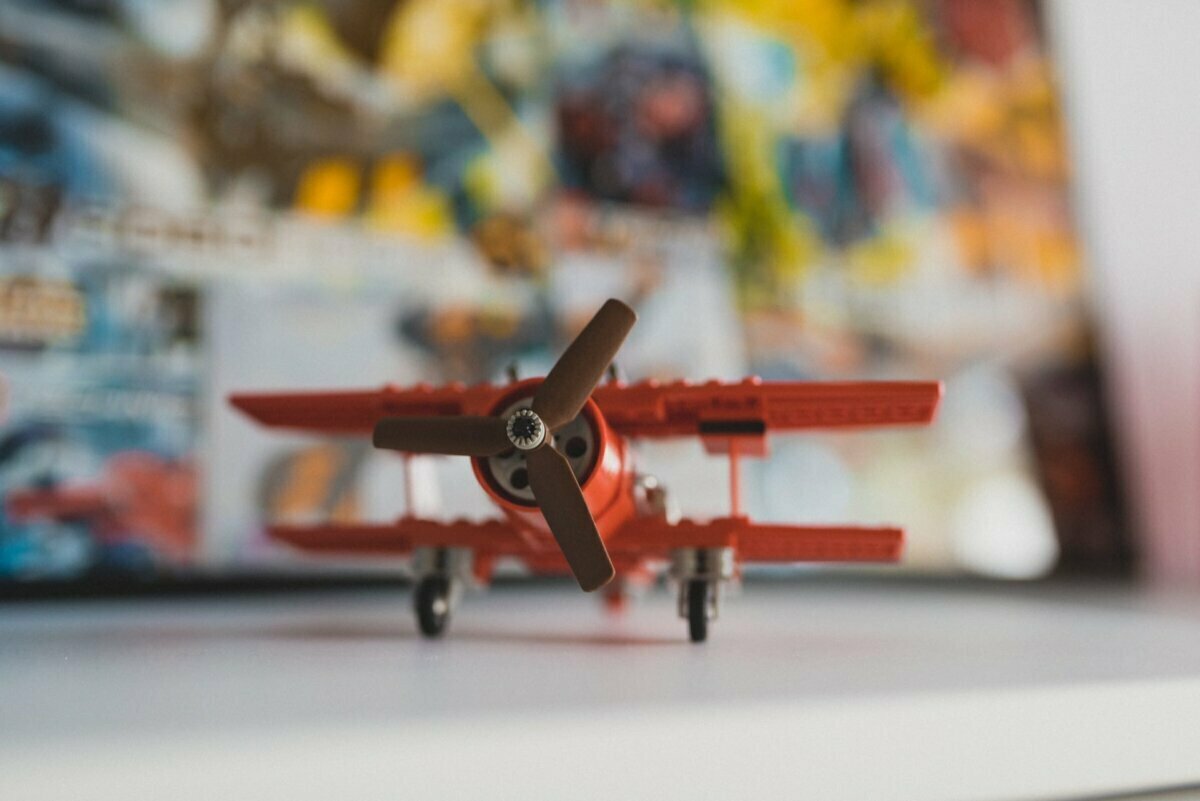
198	196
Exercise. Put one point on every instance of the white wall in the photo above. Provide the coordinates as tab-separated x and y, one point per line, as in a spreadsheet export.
1131	83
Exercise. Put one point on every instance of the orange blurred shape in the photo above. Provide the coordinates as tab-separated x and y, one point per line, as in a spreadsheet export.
329	188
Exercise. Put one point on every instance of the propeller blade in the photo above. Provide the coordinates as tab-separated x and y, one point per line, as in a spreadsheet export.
566	512
566	389
452	436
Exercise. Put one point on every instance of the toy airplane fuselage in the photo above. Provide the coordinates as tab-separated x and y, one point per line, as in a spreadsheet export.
731	419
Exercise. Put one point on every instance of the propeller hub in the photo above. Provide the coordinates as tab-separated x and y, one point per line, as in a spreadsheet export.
525	430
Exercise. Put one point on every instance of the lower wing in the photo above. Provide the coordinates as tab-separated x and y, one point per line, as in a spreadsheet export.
638	540
760	542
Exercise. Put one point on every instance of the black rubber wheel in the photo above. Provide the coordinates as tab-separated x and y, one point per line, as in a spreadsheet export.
697	609
432	604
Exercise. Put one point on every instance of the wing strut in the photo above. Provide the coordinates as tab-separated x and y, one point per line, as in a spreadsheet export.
735	478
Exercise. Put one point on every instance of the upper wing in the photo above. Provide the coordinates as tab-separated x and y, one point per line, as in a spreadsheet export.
713	411
760	542
753	407
356	412
401	537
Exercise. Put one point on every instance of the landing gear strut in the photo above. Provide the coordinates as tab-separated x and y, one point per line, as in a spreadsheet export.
700	572
432	604
700	600
439	574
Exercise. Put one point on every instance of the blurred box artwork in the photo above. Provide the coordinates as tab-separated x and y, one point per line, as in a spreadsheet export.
97	463
198	196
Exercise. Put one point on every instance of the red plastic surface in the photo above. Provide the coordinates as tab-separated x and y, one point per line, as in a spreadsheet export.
638	540
714	410
357	411
495	537
678	409
761	542
733	419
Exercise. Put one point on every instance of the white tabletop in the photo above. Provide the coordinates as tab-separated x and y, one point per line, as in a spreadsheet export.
807	689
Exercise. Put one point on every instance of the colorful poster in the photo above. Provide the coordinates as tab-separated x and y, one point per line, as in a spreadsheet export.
838	189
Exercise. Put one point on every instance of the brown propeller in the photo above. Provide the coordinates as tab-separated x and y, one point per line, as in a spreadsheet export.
453	436
556	402
571	380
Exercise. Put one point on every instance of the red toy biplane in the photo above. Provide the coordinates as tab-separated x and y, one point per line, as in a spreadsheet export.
555	456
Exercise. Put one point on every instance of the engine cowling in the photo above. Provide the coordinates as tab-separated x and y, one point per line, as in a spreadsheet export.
598	457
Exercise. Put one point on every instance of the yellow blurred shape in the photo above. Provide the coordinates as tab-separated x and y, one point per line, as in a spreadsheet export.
768	248
1026	247
430	51
453	324
881	260
971	233
430	44
308	39
895	37
33	310
499	324
329	188
1056	254
838	41
401	201
1040	148
311	478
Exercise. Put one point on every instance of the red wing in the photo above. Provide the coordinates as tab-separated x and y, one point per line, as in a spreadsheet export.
753	408
642	539
712	410
759	542
778	543
356	412
490	537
